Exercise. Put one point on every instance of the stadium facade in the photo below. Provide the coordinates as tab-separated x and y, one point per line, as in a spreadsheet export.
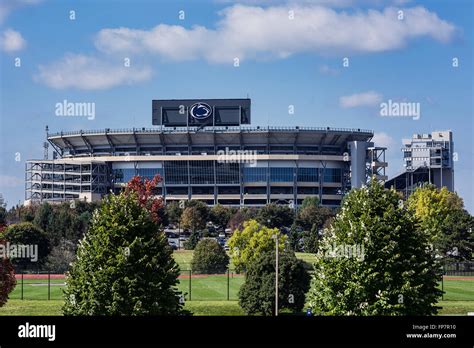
205	150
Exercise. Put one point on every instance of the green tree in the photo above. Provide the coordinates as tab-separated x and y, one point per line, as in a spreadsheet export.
209	257
60	224
294	238
444	219
242	215
124	265
27	214
311	218
66	221
194	217
27	234
192	241
273	215
21	213
173	212
310	201
220	215
257	294
61	257
251	241
43	216
3	212
374	260
311	240
457	241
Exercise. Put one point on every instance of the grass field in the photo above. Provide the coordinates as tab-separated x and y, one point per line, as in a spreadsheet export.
208	294
53	307
37	289
458	290
184	257
212	287
198	308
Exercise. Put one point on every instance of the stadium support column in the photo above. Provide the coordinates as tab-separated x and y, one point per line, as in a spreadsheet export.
320	179
358	163
163	185
295	186
216	201
241	183
322	171
189	179
268	182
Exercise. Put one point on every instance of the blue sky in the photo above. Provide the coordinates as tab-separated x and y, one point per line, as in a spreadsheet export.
290	53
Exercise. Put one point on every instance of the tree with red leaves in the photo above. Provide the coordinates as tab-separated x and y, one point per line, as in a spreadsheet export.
146	198
7	276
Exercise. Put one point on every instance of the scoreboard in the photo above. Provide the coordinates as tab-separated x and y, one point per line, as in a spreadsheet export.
200	112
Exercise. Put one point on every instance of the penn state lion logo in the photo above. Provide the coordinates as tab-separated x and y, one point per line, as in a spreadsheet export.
200	111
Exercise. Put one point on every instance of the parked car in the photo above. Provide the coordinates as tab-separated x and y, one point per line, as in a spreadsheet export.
171	234
222	235
226	247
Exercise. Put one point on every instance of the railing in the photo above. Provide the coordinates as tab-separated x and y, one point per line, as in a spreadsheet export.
208	129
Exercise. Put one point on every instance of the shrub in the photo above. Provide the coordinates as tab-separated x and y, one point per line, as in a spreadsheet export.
124	265
257	294
209	257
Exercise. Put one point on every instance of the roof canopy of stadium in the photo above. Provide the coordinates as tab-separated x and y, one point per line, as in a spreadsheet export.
107	141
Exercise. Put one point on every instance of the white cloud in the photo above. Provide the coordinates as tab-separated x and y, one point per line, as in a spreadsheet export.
327	70
248	32
89	73
8	181
384	140
328	3
11	40
370	98
8	6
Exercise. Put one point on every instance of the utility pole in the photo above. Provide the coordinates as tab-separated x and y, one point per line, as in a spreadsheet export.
276	275
275	236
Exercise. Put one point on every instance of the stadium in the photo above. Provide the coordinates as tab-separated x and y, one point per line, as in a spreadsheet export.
205	149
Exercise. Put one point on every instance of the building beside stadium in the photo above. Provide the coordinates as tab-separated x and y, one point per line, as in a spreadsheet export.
429	158
207	150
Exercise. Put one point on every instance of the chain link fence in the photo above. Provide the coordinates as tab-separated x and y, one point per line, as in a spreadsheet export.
459	269
193	286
